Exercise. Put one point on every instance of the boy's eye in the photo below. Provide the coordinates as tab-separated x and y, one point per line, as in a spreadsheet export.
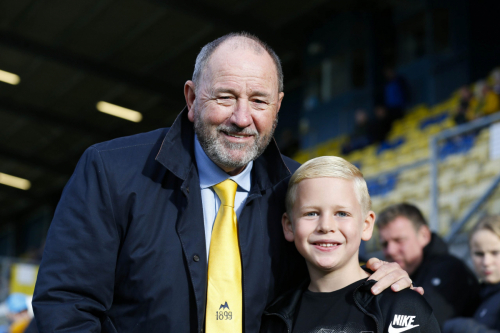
311	214
342	214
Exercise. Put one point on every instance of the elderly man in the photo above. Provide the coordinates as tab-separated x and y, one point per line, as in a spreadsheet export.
451	288
178	230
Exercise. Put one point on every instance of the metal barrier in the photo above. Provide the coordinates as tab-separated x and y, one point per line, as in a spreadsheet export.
434	160
457	226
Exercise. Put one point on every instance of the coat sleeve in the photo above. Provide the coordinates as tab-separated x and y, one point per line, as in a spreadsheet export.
431	326
76	278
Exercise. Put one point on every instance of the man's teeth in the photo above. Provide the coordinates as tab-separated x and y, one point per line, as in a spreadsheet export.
236	136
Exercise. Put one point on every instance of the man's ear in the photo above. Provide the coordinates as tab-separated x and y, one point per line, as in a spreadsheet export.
287	227
424	235
368	225
280	99
190	96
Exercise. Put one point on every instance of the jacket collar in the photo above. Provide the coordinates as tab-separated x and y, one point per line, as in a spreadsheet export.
435	247
177	155
287	305
487	290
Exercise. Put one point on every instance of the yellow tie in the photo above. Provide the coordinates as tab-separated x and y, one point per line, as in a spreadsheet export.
224	296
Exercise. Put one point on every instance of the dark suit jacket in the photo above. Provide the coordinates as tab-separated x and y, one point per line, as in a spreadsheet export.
126	248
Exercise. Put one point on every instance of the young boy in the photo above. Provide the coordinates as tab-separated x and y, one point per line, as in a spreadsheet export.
328	214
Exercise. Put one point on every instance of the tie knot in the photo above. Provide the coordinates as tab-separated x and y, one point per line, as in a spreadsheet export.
226	192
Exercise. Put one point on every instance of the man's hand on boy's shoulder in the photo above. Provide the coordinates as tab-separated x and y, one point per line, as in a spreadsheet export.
389	274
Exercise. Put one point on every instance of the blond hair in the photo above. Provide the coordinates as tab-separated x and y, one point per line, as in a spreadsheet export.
490	223
330	167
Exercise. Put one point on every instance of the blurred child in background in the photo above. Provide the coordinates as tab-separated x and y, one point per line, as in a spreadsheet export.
485	253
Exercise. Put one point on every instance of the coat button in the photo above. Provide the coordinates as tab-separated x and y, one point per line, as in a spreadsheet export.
187	189
196	258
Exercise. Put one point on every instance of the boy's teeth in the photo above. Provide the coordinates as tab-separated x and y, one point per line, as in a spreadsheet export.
326	244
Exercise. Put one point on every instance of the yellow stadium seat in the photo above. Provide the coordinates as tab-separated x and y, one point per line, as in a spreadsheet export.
455	161
490	169
370	171
302	157
447	123
447	180
493	206
480	153
469	174
404	159
409	176
445	221
483	136
432	130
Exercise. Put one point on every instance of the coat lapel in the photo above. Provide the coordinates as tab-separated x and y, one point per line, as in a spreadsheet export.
191	231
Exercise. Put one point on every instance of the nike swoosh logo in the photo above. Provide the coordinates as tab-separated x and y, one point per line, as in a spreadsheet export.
402	329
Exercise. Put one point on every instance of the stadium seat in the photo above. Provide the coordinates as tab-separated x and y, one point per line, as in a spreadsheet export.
480	152
469	174
490	168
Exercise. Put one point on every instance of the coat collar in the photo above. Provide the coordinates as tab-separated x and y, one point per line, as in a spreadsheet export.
177	155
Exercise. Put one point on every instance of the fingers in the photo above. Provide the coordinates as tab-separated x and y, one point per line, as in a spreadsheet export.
401	284
387	275
374	263
419	290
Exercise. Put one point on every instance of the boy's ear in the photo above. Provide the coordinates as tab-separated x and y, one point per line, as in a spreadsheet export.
287	227
368	225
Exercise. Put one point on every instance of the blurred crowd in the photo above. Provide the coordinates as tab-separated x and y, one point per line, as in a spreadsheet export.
460	303
16	314
374	130
481	101
485	100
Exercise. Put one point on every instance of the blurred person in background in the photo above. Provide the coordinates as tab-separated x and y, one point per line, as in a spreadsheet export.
484	245
464	105
360	136
496	81
18	312
396	93
131	243
450	287
289	143
486	102
381	124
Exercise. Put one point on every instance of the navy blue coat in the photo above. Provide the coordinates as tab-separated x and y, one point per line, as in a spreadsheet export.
126	248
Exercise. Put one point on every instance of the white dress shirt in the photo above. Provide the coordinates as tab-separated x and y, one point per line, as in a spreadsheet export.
210	174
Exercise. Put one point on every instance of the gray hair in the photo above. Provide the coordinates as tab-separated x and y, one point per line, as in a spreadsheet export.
208	50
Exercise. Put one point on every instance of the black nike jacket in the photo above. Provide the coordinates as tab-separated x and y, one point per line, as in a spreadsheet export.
389	310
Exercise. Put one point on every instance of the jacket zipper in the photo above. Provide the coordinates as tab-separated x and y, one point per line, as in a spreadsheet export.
288	328
364	311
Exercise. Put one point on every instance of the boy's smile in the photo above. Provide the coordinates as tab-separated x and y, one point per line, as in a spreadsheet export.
328	224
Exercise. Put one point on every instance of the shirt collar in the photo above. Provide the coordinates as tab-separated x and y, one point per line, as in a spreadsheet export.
210	174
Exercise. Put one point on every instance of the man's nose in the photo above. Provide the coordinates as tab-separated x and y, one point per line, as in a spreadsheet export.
242	116
390	249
